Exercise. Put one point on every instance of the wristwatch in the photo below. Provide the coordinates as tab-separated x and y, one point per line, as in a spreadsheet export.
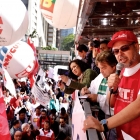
104	123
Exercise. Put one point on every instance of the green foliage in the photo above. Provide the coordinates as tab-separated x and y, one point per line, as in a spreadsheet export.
67	42
53	1
49	48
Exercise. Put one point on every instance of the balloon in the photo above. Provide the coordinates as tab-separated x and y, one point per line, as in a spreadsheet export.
61	14
18	59
13	21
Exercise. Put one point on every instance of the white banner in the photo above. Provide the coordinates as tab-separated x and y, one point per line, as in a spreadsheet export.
78	118
40	89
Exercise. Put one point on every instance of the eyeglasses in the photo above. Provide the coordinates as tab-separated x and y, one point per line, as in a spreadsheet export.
123	49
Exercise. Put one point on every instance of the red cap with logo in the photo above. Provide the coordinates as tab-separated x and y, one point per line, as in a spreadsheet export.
124	35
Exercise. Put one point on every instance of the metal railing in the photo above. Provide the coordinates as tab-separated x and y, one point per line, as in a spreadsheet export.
92	134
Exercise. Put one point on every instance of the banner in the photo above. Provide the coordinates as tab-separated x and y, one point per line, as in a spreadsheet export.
40	89
78	117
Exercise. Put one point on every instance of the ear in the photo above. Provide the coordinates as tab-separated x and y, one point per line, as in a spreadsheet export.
137	47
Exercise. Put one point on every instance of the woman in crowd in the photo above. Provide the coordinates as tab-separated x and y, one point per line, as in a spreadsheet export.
79	76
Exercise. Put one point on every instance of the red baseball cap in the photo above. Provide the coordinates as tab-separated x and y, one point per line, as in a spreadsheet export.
124	35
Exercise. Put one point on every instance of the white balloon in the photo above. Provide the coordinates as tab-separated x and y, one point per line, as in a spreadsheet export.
13	21
62	14
18	59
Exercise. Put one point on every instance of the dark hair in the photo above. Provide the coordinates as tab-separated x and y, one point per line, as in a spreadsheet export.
44	111
82	47
53	111
108	57
83	66
23	110
95	43
15	122
104	42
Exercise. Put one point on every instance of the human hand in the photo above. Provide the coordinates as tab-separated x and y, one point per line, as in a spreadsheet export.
61	85
92	97
113	81
93	123
64	78
84	91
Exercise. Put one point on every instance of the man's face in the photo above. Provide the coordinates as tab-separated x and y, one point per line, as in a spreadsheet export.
129	55
106	69
46	126
37	111
103	47
43	115
17	135
22	116
81	54
62	122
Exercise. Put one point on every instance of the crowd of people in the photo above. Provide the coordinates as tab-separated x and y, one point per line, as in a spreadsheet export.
29	120
94	74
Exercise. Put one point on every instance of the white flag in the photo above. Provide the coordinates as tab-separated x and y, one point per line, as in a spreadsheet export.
8	83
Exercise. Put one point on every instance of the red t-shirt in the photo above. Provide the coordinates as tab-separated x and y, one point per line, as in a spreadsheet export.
128	91
45	135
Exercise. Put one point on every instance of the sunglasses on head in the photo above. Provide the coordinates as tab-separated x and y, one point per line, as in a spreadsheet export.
124	48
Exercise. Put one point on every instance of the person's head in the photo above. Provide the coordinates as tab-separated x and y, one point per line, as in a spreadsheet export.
18	135
82	50
46	125
53	96
103	45
125	47
57	90
7	93
25	127
37	110
22	114
43	114
60	99
77	67
63	111
93	44
16	124
62	121
106	62
53	112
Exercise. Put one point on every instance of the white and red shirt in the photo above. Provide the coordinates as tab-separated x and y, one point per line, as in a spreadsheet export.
129	88
34	120
45	135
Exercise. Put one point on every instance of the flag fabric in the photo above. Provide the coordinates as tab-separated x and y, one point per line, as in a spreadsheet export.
78	117
32	75
4	128
8	83
41	89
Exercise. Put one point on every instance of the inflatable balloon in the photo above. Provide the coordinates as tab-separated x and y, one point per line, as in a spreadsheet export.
13	21
61	14
18	59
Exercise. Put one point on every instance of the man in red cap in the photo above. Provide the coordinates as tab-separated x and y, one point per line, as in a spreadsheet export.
125	47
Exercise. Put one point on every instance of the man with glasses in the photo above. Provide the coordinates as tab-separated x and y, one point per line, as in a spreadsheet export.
65	131
127	102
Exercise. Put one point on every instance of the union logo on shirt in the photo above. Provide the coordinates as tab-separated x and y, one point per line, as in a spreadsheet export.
126	95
